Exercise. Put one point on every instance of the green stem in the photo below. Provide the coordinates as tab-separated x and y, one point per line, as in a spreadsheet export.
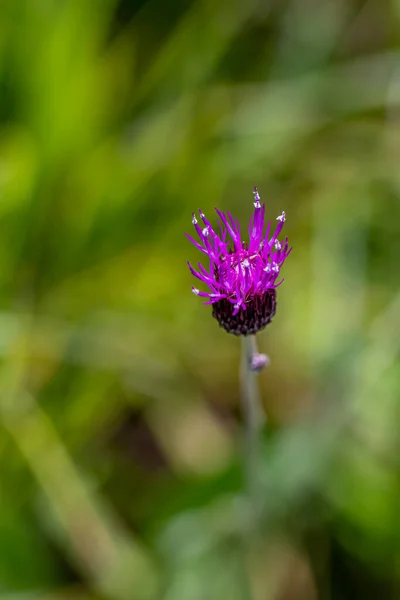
253	418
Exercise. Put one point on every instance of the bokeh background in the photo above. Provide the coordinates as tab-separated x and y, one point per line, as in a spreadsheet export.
120	422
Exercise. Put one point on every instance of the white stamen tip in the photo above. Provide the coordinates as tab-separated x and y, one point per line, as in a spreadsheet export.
194	220
268	269
282	217
246	263
277	245
205	231
195	291
257	198
236	306
275	268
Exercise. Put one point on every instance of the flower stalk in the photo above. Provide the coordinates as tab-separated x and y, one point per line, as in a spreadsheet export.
254	418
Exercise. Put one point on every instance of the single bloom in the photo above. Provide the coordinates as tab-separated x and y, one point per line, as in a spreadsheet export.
241	276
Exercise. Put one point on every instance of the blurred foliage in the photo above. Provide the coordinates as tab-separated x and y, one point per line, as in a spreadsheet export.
120	428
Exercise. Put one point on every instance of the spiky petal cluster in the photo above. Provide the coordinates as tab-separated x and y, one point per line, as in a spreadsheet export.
241	276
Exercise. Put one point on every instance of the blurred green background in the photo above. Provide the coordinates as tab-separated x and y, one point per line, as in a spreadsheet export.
120	421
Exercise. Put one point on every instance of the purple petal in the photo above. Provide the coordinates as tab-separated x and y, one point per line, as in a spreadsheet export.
198	246
231	232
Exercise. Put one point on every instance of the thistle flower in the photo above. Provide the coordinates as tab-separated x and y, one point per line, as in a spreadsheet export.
241	276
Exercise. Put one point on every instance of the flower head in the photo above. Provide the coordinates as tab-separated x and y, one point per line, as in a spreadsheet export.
241	276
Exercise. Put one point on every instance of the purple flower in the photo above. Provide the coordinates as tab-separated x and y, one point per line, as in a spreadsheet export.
241	276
